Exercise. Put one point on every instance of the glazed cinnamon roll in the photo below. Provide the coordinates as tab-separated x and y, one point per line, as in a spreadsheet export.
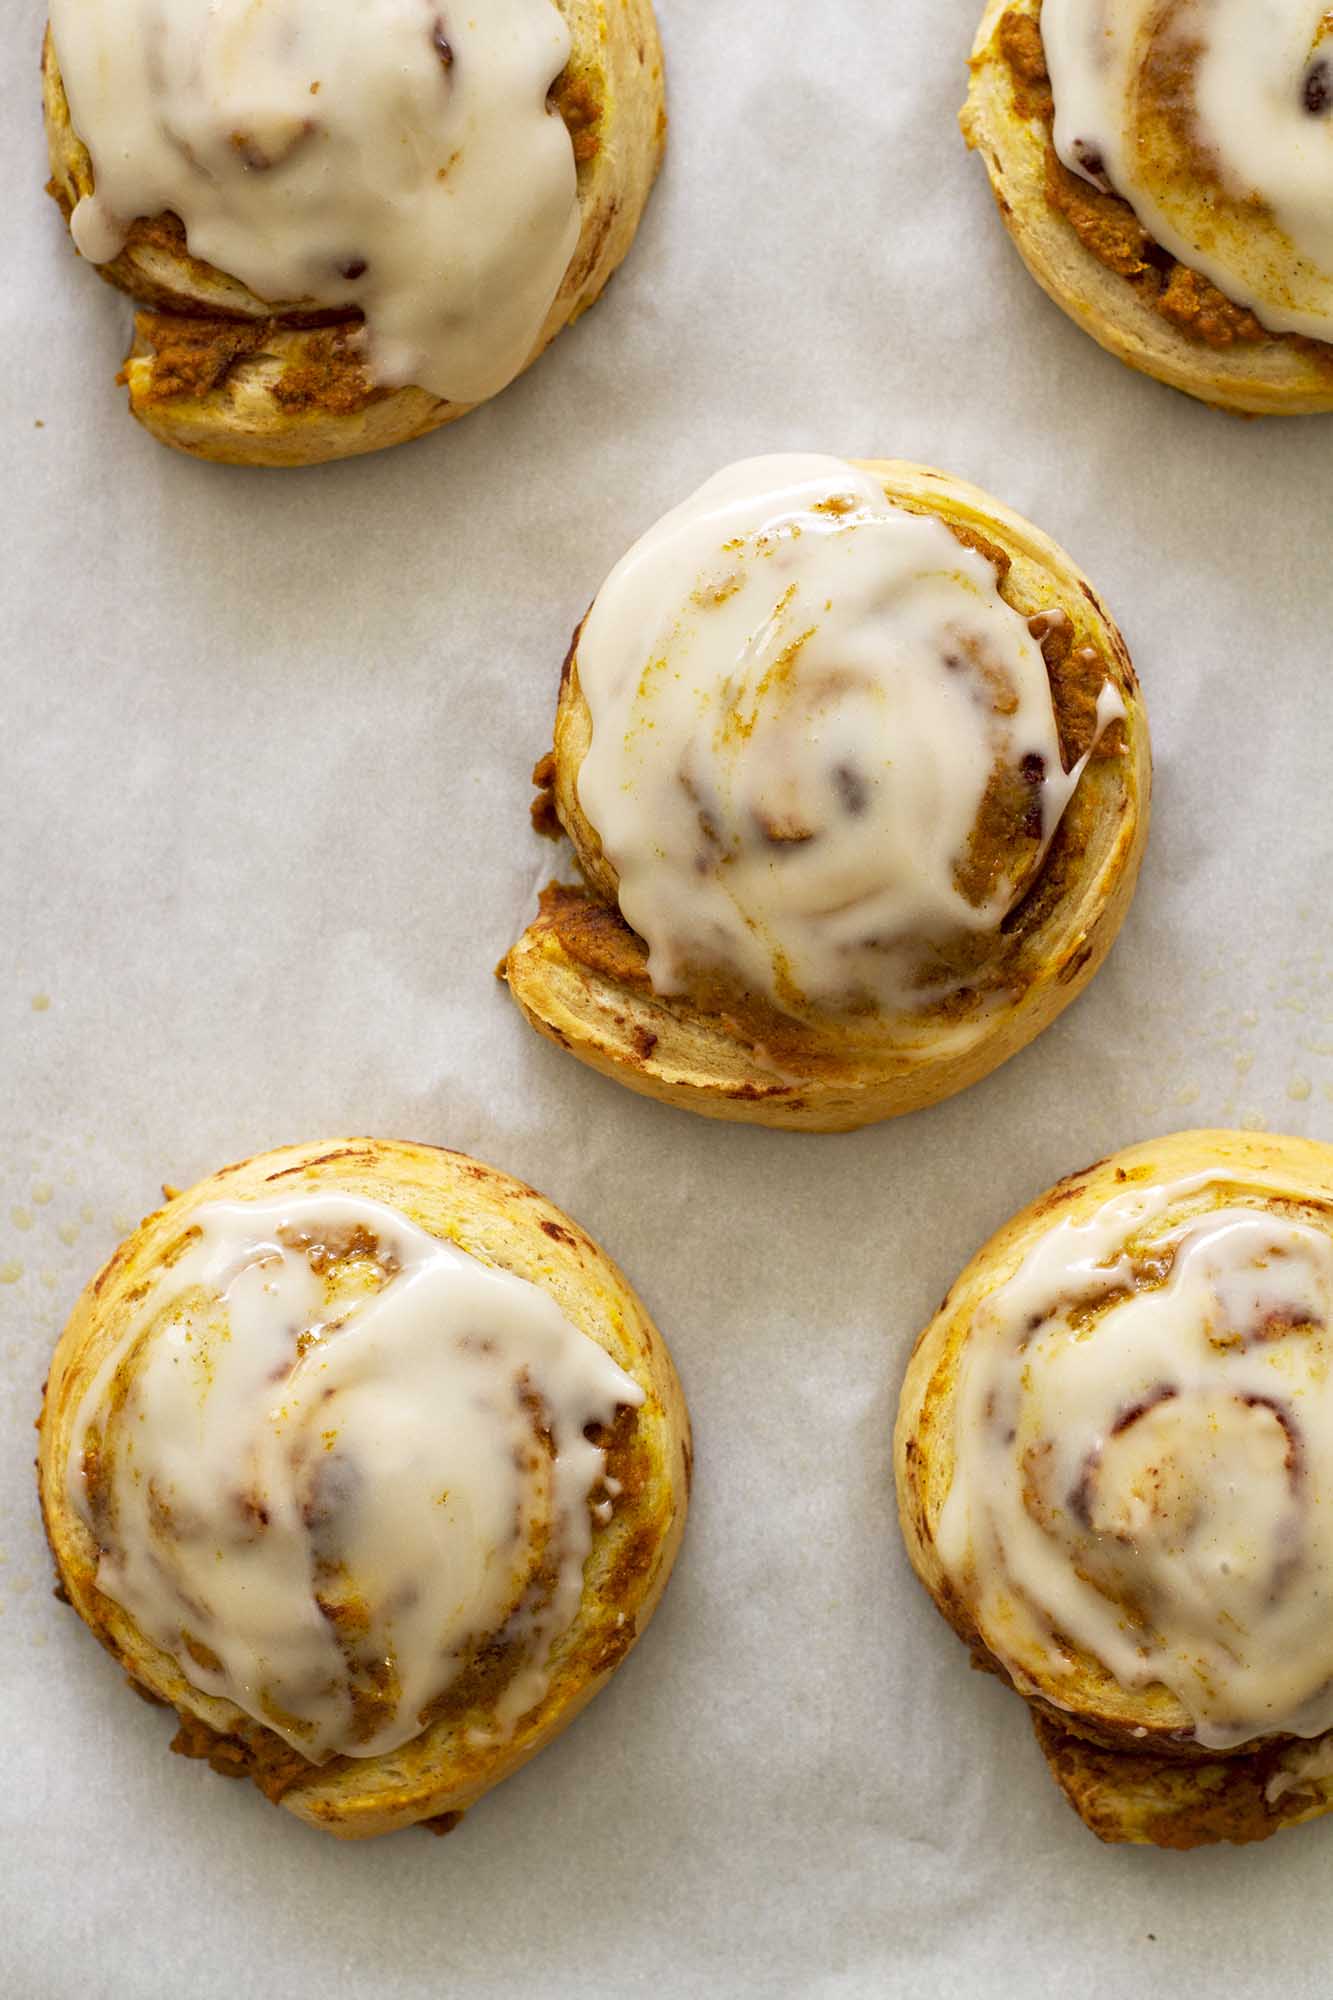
1114	1455
1166	171
349	223
856	771
368	1462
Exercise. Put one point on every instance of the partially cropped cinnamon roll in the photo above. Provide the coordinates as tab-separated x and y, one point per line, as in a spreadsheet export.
1114	1455
1166	170
368	1462
856	771
349	221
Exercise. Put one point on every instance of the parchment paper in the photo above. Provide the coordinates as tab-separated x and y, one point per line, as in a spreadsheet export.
266	743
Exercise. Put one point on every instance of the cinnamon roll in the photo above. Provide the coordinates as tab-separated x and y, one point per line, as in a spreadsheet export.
1114	1455
1166	170
348	223
856	771
368	1462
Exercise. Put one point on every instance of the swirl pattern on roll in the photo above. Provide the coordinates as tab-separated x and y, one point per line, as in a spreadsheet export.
1143	1458
1214	120
398	157
824	758
333	1463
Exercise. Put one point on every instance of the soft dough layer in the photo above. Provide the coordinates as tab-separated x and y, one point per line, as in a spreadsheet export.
857	773
1114	1455
367	1461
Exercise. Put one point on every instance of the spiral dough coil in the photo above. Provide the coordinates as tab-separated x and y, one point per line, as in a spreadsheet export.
1166	173
369	1463
856	771
348	224
1114	1455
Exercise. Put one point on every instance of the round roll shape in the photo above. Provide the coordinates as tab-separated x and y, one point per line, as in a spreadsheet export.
1114	1459
346	223
856	771
364	1459
1166	172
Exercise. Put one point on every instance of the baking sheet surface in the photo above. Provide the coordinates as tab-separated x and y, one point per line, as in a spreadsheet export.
266	744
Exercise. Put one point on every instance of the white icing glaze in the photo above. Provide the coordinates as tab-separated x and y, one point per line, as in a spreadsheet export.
298	140
1146	1473
1301	1770
799	694
373	1449
1258	93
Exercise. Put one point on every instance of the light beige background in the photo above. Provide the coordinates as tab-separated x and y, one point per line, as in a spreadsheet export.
265	746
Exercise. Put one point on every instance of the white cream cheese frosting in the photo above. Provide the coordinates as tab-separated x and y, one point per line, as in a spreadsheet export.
1214	120
331	1455
1143	1458
802	699
398	156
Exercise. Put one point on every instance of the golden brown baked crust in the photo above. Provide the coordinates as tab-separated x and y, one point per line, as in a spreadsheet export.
1126	1760
224	375
442	1772
1088	251
578	973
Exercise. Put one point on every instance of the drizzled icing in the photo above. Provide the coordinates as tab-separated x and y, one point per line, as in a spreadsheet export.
1301	1771
1143	1438
331	1455
807	703
393	155
1214	120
